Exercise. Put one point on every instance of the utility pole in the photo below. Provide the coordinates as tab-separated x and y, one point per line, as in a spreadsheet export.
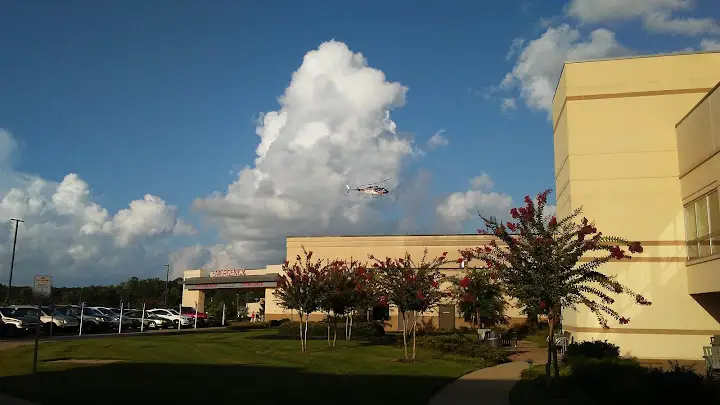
12	260
167	280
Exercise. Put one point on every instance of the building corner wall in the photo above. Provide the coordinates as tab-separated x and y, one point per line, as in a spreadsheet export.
193	298
616	157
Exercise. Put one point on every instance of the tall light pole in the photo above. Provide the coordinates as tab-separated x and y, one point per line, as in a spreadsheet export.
12	260
167	280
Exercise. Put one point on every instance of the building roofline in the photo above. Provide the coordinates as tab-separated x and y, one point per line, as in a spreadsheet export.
388	235
702	100
656	55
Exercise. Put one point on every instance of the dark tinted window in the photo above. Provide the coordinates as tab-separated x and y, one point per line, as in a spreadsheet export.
25	312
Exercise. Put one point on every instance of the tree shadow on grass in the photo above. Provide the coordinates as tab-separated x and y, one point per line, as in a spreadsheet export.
152	383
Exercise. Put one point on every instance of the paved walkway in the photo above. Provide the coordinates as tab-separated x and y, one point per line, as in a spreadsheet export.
489	386
5	400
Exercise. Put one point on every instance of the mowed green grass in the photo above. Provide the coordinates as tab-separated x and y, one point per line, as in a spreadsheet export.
228	367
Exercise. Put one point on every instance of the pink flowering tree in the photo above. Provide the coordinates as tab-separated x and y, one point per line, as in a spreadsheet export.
365	295
339	292
480	297
412	287
301	289
555	263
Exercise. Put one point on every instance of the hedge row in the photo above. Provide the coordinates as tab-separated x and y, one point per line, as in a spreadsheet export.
319	329
463	345
594	373
247	325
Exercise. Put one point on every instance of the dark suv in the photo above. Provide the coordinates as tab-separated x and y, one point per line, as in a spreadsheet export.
92	320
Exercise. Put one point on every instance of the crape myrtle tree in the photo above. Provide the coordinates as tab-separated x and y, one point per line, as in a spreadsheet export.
301	289
554	263
338	295
365	295
479	297
412	287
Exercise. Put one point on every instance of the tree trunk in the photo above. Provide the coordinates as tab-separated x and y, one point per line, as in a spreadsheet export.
368	312
413	332
551	344
302	341
334	330
556	366
307	320
349	335
405	334
347	329
327	319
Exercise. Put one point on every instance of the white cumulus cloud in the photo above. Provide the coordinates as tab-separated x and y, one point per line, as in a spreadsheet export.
539	63
70	236
579	34
481	198
710	44
658	16
333	127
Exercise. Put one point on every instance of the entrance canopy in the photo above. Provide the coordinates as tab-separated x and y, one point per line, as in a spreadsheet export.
268	280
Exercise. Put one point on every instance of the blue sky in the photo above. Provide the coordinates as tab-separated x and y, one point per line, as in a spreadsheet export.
163	98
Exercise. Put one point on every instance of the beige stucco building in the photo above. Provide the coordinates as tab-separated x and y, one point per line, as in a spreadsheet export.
345	247
636	140
636	144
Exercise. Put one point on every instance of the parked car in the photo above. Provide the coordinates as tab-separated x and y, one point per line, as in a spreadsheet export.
115	318
15	325
92	320
171	315
151	321
48	316
202	317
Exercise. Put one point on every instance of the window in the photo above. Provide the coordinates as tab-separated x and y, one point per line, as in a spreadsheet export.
702	226
26	312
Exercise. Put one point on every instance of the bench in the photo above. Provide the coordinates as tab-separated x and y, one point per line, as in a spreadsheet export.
712	359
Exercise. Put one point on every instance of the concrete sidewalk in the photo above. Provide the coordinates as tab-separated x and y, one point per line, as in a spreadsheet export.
490	386
5	400
487	386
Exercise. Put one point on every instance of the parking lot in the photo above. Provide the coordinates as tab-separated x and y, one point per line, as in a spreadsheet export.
9	343
19	322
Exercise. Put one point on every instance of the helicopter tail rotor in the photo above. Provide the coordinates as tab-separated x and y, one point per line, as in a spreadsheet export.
348	188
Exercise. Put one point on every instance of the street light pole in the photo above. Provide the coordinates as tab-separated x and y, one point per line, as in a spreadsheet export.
167	279
12	260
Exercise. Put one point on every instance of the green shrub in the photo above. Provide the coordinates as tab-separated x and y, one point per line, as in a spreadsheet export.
246	325
319	329
278	322
538	370
618	381
461	345
579	353
627	382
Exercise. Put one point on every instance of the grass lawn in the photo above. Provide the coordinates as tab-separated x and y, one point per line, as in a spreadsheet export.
236	367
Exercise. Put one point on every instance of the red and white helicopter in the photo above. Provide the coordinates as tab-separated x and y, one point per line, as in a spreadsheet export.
372	188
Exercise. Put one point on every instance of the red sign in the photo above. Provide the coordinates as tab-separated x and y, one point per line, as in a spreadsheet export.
262	284
227	273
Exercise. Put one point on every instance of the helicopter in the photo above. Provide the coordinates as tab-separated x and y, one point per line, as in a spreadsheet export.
372	188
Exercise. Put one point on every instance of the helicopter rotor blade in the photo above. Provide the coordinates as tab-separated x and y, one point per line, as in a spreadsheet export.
378	182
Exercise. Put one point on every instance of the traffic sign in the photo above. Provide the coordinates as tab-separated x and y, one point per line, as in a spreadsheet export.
42	287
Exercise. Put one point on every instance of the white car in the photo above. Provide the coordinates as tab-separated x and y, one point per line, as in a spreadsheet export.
171	315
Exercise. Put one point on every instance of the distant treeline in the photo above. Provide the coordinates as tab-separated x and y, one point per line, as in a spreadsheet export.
132	293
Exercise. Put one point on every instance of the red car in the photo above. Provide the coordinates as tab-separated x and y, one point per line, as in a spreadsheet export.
190	312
